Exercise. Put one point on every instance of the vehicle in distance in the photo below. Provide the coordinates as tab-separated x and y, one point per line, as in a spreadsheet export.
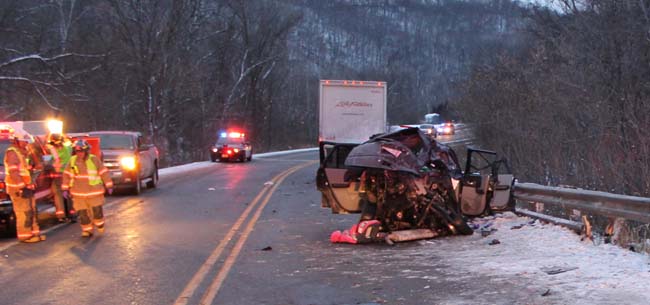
442	127
38	156
429	129
129	159
231	146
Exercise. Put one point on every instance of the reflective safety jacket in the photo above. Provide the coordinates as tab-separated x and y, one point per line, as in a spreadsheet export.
17	174
86	178
60	158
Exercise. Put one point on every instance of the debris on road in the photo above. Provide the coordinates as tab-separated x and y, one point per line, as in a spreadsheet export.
409	235
557	270
268	248
494	242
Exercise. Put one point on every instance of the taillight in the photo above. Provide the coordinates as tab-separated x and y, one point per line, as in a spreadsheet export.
2	185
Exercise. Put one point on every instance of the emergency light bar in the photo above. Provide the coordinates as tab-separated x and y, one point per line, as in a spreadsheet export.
232	134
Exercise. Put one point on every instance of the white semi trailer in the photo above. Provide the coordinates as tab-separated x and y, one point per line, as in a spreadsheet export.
351	111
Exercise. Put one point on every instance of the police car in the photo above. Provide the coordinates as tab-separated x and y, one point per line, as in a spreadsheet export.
231	146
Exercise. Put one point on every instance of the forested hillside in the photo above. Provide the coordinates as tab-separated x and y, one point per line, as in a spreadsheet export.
571	106
179	70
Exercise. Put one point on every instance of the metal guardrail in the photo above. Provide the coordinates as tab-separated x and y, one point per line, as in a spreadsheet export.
601	203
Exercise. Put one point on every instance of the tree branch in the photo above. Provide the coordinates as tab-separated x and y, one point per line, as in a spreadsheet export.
45	59
33	83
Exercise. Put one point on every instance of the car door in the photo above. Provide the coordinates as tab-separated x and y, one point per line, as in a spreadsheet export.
339	189
486	184
145	161
248	150
40	162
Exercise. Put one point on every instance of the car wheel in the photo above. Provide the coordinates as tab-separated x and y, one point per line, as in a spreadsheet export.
137	188
250	157
11	226
213	159
154	178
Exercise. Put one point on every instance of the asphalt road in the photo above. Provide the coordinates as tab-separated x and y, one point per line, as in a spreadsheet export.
239	233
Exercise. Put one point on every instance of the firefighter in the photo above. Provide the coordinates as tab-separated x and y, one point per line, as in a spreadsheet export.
85	178
21	188
61	154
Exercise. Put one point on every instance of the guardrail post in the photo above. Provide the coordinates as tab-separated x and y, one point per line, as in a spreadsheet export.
587	227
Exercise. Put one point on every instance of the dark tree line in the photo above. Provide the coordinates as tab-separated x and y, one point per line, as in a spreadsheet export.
180	70
570	106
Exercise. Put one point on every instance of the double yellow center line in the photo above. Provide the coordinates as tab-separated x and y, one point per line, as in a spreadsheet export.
200	275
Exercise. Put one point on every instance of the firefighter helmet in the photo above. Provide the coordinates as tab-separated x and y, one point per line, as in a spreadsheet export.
56	139
81	145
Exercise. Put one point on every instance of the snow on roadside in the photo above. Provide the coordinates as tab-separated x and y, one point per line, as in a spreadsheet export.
183	168
203	164
284	152
605	274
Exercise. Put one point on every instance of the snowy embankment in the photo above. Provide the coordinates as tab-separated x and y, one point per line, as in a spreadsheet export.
564	268
203	164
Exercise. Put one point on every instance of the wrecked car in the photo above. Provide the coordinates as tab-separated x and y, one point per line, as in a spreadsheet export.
406	185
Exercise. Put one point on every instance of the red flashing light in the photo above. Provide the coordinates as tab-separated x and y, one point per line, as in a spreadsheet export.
345	82
2	185
6	129
235	134
327	82
379	84
360	83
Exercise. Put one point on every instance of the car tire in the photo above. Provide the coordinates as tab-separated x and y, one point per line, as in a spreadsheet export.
368	210
154	178
11	226
137	188
250	157
213	159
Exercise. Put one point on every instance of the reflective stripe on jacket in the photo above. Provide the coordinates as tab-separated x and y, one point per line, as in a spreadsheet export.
84	178
60	158
91	171
17	174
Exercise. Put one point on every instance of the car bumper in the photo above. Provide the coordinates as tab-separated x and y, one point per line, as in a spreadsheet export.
6	214
122	177
236	156
445	131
